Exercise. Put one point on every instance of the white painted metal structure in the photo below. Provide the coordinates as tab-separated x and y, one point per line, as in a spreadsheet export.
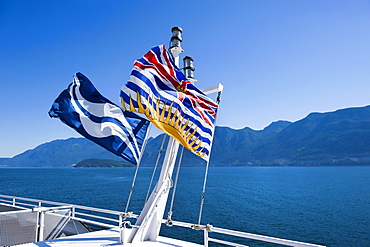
150	220
58	224
113	225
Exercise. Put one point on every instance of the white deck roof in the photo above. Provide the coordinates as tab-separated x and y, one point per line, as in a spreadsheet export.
108	237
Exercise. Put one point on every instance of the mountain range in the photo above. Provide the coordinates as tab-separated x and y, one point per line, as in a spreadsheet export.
341	137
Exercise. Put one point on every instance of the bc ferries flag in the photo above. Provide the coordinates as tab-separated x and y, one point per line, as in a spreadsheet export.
95	117
158	89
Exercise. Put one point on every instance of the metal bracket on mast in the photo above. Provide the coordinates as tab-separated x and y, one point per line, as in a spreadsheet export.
214	89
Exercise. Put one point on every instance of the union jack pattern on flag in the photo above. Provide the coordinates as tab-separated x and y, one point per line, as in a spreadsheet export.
158	89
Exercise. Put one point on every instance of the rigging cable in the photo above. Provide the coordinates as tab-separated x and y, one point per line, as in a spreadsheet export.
155	167
137	168
207	165
169	220
203	193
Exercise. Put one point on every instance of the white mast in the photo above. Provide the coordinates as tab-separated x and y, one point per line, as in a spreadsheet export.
149	223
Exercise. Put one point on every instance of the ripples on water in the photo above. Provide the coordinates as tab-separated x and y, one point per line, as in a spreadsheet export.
323	205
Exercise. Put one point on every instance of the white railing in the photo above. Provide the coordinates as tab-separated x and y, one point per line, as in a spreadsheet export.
118	219
261	238
93	217
210	229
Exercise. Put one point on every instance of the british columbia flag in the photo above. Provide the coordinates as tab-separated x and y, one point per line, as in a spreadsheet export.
158	89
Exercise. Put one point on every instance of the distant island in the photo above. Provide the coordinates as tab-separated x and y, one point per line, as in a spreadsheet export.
89	163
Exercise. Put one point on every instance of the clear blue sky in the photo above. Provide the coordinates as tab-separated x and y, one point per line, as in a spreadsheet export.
278	59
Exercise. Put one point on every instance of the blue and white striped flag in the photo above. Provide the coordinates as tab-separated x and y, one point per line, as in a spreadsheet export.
95	117
158	89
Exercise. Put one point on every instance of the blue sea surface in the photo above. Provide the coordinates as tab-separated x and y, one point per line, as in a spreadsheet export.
322	205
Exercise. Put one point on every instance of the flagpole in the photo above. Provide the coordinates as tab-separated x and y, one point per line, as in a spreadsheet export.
149	222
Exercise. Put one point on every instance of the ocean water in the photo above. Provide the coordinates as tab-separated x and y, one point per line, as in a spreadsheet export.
322	205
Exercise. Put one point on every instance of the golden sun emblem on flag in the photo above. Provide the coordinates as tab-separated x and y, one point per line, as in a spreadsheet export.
168	119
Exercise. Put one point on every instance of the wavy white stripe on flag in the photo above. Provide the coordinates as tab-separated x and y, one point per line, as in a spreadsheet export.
95	117
163	94
176	101
203	128
158	89
102	128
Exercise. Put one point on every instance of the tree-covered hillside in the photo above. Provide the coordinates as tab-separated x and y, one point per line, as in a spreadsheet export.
341	137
